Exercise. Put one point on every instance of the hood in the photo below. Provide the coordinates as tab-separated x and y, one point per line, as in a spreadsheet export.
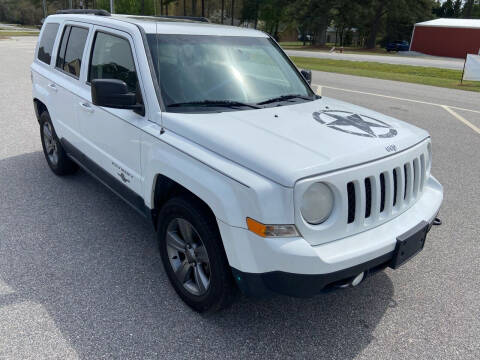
287	143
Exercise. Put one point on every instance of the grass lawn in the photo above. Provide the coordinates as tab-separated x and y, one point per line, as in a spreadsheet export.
298	45
7	33
412	74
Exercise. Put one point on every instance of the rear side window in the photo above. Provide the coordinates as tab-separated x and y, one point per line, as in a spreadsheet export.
112	59
70	54
46	42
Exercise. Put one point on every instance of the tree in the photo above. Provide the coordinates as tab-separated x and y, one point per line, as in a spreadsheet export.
449	9
400	20
223	11
312	18
380	15
468	8
345	17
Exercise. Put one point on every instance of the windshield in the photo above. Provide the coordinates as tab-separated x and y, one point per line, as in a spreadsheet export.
199	70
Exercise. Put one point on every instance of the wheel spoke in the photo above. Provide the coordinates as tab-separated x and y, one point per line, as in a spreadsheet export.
183	272
175	242
54	157
200	278
201	254
185	230
47	132
48	146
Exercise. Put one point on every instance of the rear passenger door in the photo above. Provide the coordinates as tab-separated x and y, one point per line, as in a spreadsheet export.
66	83
112	136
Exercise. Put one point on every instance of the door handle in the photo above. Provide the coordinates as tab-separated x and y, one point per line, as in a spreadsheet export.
87	107
53	87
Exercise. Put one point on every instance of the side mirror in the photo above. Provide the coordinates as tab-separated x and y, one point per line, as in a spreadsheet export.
114	94
307	74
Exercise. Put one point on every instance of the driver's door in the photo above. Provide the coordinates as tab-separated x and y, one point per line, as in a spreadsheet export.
111	137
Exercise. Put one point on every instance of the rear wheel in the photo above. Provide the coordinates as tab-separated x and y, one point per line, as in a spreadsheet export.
55	155
193	254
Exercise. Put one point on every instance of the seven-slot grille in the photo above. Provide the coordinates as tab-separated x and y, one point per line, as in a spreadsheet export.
380	194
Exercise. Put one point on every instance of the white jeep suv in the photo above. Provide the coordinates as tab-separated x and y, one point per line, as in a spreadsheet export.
252	181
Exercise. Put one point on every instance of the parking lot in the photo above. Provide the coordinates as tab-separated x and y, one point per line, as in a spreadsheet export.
80	274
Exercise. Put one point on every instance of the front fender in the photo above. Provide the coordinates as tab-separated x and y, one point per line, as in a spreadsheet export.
231	191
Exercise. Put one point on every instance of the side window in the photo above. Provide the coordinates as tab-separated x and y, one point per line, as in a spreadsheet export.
112	59
62	47
69	57
46	42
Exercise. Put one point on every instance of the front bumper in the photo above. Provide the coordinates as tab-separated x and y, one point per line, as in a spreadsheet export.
294	267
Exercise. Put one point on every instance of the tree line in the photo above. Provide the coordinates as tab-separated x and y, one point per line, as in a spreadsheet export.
372	21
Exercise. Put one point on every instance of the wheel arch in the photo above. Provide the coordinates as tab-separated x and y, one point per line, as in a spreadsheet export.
39	107
164	189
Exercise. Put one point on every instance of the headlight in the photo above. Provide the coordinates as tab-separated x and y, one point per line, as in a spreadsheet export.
317	203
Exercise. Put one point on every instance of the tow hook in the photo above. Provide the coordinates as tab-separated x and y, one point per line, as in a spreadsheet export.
437	221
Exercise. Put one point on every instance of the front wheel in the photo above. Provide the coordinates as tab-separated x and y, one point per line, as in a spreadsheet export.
193	255
56	157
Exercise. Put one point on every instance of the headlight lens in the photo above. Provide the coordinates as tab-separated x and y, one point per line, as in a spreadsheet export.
317	203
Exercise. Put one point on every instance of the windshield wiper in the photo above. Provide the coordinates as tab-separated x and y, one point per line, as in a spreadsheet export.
214	103
283	98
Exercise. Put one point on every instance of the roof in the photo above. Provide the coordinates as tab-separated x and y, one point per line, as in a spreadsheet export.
161	25
452	23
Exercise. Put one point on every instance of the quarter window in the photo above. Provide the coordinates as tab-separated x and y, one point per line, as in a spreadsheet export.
69	58
46	42
112	59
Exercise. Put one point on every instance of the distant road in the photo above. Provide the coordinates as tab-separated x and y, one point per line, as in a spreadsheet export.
11	27
442	63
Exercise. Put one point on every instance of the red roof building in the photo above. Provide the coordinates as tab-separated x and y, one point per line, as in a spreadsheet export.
447	37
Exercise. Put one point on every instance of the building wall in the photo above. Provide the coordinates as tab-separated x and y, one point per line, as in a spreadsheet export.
451	42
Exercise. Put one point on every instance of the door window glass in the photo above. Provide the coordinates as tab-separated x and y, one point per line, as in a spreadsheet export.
112	59
71	50
46	42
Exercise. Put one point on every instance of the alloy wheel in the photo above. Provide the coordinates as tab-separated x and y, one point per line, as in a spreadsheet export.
51	145
188	256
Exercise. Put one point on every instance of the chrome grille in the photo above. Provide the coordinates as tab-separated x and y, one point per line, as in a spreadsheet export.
380	194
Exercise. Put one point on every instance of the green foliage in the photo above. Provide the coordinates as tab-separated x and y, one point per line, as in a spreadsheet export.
373	21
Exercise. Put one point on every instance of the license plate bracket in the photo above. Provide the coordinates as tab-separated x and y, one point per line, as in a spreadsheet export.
409	244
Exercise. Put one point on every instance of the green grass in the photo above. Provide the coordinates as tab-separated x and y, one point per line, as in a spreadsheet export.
17	33
298	45
413	74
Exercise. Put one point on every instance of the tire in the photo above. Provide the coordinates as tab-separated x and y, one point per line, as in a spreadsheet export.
201	276
56	157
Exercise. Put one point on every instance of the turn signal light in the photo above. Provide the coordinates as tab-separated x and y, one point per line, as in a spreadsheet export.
271	230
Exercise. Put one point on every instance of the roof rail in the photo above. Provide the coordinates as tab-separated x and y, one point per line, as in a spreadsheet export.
98	12
191	18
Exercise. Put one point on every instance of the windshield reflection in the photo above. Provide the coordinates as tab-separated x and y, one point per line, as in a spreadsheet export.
197	68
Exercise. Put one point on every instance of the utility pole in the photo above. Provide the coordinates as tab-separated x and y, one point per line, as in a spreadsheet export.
223	9
112	10
233	10
44	9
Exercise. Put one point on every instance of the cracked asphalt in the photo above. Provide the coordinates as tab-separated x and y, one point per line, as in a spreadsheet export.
81	278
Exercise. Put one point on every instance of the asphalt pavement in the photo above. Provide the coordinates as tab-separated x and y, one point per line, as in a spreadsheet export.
81	278
398	59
